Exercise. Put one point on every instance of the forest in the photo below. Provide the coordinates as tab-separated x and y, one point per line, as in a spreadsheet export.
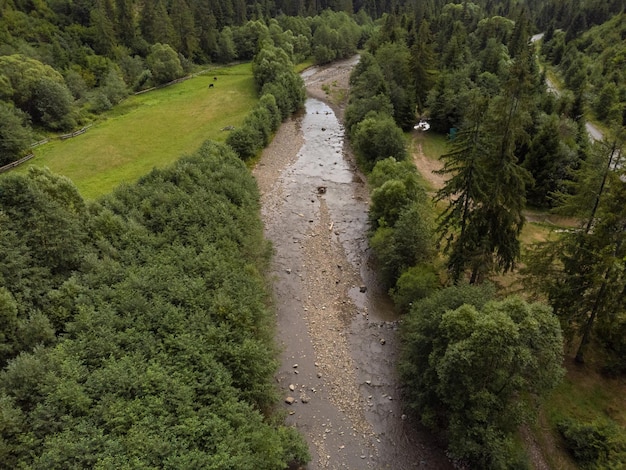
137	329
480	356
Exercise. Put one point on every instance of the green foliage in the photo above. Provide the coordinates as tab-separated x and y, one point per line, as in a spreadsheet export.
226	49
357	110
391	169
596	61
282	94
164	63
413	285
394	60
401	227
43	236
335	36
477	371
167	355
15	134
268	64
38	90
591	444
52	105
550	161
246	141
582	271
268	102
378	137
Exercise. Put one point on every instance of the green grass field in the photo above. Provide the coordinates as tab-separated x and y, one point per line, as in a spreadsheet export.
151	130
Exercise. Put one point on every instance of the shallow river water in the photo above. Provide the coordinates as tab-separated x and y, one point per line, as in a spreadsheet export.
336	328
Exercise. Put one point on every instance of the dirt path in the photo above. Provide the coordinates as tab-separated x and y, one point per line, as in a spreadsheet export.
426	166
336	328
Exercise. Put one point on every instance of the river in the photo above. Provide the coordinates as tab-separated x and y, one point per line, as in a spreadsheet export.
337	330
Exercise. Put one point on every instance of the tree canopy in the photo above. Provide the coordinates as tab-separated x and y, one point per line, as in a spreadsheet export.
482	366
136	329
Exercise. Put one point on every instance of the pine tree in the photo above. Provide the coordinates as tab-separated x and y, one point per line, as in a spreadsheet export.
185	37
502	219
464	189
125	23
423	64
155	23
583	272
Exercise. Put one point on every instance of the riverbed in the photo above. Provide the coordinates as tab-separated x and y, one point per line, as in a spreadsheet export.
336	328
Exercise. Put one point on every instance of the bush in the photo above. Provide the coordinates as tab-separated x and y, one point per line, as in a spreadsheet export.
415	283
288	90
98	102
245	141
15	133
268	101
589	443
52	105
359	108
376	138
407	243
164	63
477	370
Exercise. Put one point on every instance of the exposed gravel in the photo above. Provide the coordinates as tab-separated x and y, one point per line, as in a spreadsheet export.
338	356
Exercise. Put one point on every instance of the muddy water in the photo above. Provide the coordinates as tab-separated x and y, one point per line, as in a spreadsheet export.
337	329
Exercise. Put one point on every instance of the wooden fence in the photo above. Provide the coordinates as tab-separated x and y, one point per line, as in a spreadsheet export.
41	142
75	133
16	163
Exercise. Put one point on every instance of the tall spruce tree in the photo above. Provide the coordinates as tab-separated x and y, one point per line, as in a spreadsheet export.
500	219
582	272
464	190
487	185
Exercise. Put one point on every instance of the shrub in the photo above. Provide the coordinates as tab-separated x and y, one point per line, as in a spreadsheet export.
52	105
589	443
415	283
378	137
477	370
245	141
164	63
15	133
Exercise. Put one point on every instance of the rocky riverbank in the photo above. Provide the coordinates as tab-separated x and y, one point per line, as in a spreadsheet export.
336	328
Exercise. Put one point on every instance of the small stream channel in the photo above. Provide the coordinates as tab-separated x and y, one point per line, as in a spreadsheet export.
336	327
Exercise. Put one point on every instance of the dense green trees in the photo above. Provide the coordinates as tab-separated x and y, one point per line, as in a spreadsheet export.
100	51
593	66
582	272
282	93
166	356
15	135
475	368
510	140
486	186
401	230
38	90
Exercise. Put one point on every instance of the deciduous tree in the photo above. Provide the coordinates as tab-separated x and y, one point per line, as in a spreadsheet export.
482	369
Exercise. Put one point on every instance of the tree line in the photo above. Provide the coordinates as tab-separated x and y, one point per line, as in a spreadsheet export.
475	365
62	64
136	329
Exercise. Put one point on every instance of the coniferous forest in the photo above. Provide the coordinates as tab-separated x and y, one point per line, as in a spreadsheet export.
136	331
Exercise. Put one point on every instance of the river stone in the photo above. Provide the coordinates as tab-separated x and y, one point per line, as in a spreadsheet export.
290	400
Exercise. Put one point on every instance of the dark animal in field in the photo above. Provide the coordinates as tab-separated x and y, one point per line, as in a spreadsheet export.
214	78
210	85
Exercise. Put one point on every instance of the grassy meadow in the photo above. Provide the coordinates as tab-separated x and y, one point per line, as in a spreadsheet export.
150	130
